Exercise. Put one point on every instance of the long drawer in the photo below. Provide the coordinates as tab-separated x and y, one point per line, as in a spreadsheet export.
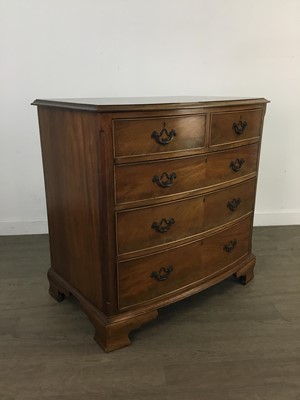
156	135
148	227
150	277
152	180
229	127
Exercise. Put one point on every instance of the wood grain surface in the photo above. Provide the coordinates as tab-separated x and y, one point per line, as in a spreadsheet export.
222	126
189	264
69	147
187	217
135	136
135	182
143	209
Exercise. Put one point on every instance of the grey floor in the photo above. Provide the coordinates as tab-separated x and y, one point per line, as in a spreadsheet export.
228	342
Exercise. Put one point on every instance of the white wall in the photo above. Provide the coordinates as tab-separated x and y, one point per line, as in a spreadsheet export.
95	48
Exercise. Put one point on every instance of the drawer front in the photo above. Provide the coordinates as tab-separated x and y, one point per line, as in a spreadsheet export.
153	226
157	179
156	135
230	127
149	277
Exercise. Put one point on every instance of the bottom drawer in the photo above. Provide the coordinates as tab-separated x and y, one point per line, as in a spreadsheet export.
146	278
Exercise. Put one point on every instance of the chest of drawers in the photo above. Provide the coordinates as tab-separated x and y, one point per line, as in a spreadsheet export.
149	200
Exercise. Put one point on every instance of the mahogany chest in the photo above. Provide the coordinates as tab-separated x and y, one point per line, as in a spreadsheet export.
149	200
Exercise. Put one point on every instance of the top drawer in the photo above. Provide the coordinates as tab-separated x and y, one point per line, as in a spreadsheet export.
157	135
235	126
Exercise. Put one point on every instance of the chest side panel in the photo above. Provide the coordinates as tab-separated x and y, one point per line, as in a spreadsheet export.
69	142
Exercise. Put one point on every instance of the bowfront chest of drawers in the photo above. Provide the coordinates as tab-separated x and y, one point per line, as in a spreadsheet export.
149	201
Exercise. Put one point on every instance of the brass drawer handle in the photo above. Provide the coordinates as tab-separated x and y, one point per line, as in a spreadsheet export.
163	140
167	183
233	204
239	127
230	246
164	225
237	164
162	274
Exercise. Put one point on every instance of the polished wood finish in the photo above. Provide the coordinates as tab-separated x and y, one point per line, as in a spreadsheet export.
69	147
191	263
114	104
222	126
138	136
108	179
191	216
193	174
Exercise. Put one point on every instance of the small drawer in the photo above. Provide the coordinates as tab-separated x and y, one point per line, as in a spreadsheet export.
147	278
156	135
148	227
152	180
235	126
